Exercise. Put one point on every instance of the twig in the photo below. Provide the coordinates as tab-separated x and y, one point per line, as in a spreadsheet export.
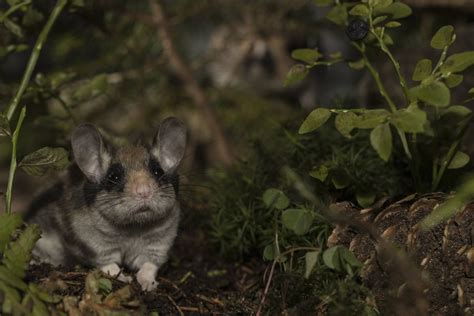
189	309
214	301
34	57
223	150
175	305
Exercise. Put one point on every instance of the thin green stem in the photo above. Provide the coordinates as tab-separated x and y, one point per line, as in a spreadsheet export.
34	57
441	60
451	152
377	79
13	162
385	95
386	50
13	9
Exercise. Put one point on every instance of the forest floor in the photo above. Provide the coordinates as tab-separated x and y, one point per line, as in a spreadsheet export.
195	281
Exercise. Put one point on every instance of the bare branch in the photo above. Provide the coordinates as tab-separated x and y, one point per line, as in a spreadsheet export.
191	85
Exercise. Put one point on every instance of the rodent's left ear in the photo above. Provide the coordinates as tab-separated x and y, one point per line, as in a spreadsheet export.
169	143
90	152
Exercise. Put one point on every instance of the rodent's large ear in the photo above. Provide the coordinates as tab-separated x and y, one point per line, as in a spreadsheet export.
90	152
169	143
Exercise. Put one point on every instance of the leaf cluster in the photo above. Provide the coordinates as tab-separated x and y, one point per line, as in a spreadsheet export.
19	297
429	124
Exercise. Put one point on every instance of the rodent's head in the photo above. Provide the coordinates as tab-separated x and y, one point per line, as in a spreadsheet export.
133	185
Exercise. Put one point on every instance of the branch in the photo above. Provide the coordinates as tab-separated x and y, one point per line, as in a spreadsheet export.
191	85
34	57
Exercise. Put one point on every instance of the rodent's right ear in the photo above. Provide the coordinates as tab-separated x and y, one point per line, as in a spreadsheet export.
90	152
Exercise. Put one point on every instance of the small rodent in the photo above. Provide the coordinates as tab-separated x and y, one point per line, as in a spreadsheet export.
116	207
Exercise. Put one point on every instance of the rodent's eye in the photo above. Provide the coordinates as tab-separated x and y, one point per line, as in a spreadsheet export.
155	169
115	174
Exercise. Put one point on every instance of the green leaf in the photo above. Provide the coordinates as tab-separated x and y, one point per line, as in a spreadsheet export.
306	54
331	258
360	10
357	65
311	258
10	295
397	10
393	24
275	198
387	39
382	4
381	141
59	78
423	70
18	253
365	199
338	15
91	88
8	223
443	37
323	3
454	80
457	110
13	27
347	256
459	160
340	180
269	252
371	118
297	73
314	120
105	285
297	220
410	120
436	93
11	279
4	126
40	161
379	19
320	173
345	122
458	62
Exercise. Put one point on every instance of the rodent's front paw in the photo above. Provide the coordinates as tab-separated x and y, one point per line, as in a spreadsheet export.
146	276
114	271
147	284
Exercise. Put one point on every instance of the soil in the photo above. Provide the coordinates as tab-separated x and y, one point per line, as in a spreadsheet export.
195	281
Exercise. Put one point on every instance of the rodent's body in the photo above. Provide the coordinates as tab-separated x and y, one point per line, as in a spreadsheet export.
115	208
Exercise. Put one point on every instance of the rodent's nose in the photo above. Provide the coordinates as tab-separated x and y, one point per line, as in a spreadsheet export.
143	190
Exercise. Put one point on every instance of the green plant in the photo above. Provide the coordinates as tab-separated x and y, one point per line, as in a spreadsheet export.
19	297
429	125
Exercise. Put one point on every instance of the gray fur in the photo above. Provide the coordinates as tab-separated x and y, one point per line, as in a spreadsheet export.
89	219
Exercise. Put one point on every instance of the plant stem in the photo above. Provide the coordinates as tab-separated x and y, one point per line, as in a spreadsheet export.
451	152
441	60
396	64
13	163
386	96
13	9
34	57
